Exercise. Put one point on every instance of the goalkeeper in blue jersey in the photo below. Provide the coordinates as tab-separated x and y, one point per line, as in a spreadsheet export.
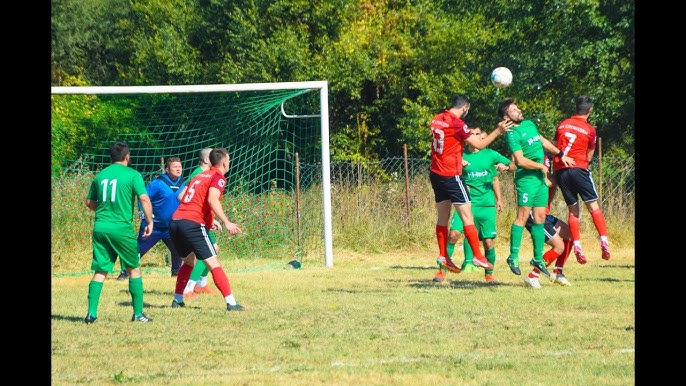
480	172
162	192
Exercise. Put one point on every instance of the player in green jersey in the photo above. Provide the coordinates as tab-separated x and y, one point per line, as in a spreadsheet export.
527	146
112	196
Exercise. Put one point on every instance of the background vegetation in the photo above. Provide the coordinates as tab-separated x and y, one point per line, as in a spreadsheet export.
390	64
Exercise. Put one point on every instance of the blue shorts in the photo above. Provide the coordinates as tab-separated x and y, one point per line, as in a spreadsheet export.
548	226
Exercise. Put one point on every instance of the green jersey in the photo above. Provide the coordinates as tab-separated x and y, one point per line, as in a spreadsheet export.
526	138
530	185
116	189
479	172
194	173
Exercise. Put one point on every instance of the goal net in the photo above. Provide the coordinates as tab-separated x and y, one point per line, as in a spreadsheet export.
278	189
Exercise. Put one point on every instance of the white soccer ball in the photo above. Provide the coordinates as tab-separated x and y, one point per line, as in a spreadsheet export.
501	77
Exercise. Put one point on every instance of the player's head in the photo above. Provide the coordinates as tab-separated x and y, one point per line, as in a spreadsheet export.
461	103
584	105
204	156
119	151
476	130
218	155
173	166
508	109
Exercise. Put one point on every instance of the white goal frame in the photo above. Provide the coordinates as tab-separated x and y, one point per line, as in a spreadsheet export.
322	86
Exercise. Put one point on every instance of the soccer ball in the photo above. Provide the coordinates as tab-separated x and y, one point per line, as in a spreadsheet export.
501	77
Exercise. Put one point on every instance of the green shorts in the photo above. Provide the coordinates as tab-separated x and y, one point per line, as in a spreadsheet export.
484	220
106	248
531	191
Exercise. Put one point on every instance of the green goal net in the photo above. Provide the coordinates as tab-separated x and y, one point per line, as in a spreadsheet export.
276	135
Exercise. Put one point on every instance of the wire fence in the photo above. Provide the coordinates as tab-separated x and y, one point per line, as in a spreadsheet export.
405	183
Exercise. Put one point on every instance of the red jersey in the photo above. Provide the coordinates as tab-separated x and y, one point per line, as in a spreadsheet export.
194	205
448	132
574	136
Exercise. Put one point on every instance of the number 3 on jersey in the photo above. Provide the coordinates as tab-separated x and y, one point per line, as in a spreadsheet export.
439	140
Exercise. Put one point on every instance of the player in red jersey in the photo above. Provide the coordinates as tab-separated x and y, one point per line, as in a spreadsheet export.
577	139
200	203
450	134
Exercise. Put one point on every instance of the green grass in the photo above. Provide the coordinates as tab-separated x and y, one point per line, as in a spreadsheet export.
372	319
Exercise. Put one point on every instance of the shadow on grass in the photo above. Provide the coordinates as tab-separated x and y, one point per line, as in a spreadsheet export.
460	284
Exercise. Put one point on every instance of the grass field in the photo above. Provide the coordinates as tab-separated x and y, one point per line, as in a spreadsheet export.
372	319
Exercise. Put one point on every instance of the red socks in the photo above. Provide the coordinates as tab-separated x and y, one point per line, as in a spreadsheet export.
574	227
472	237
442	237
221	281
599	222
182	277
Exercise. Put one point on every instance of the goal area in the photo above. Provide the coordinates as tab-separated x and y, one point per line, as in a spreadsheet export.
277	135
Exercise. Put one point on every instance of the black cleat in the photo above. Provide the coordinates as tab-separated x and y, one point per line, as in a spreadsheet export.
540	264
122	275
143	318
89	319
514	268
235	307
176	304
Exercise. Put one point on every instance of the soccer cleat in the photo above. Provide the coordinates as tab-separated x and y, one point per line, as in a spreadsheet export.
481	262
439	276
235	307
468	267
190	295
89	319
580	257
143	318
206	289
123	275
540	264
532	282
605	248
514	266
176	304
490	279
445	262
560	279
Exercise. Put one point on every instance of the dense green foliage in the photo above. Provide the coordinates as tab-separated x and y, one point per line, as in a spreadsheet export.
390	64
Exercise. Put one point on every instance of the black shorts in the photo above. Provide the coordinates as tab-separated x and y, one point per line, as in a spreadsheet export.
189	236
575	183
548	226
449	188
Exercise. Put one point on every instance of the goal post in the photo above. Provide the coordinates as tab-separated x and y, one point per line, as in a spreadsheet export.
264	126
